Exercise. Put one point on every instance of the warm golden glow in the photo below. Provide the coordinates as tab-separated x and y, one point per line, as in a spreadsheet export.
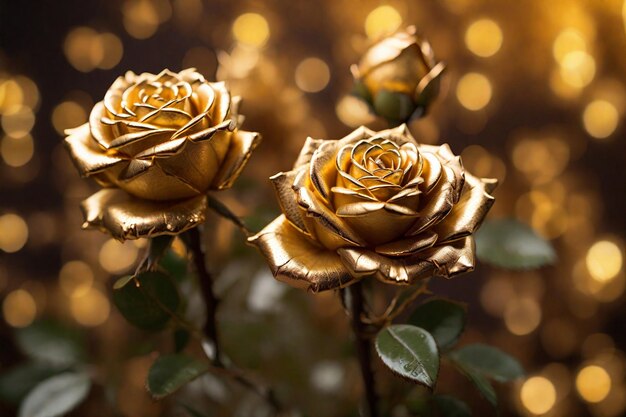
17	152
14	233
382	21
251	29
19	308
578	69
112	48
604	260
75	278
18	122
312	75
353	112
142	17
83	49
474	91
116	257
483	37
600	118
68	114
91	308
538	395
11	96
522	316
593	383
569	40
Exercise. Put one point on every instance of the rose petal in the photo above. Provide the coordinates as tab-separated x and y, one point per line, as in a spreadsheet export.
86	154
447	261
154	183
323	171
134	143
431	172
242	144
309	147
167	117
377	223
99	131
438	204
220	108
198	163
298	261
467	215
331	230
408	246
287	199
126	217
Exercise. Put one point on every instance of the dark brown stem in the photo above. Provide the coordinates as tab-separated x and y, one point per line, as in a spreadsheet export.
363	347
206	286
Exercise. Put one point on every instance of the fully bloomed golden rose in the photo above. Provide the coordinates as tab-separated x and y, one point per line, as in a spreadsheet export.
398	75
374	203
159	143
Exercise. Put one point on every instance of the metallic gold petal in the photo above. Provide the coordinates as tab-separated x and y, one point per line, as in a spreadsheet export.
306	153
323	170
167	117
221	107
207	134
467	215
242	144
86	154
198	123
283	185
438	203
447	261
408	246
155	184
198	164
431	172
134	143
331	230
125	217
166	149
99	131
298	261
376	223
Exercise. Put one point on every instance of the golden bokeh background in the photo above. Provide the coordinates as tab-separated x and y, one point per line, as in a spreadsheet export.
534	95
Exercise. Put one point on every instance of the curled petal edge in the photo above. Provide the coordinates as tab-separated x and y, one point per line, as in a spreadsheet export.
298	261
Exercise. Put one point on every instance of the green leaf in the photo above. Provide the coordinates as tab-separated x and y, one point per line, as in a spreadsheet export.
217	206
18	381
489	361
149	302
393	106
158	247
173	264
444	319
181	338
170	372
51	342
360	90
507	243
56	396
451	407
410	352
480	382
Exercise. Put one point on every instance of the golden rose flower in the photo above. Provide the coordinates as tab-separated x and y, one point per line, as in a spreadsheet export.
398	76
159	143
374	203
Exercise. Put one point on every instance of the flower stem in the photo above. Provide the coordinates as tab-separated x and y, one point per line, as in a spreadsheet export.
363	347
206	286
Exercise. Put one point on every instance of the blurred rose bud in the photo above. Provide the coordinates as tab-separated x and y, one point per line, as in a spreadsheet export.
159	143
374	203
398	76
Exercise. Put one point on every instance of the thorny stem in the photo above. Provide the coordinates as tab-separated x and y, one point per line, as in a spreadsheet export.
363	346
210	326
206	286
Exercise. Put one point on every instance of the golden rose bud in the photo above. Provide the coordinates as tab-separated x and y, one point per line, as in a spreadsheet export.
374	203
159	143
398	76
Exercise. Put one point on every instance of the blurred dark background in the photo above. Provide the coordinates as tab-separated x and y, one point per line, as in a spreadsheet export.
534	95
